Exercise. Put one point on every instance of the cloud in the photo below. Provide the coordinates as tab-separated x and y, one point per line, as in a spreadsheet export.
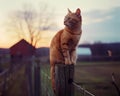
102	25
97	16
109	20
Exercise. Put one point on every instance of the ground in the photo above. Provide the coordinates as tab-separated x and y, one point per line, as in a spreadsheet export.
96	77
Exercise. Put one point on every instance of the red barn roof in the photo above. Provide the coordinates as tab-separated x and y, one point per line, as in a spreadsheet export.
22	48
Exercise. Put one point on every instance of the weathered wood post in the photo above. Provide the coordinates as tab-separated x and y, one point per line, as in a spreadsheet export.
37	79
5	75
29	77
64	75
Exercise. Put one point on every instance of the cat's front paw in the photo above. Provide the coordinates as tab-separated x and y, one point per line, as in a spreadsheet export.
73	62
68	62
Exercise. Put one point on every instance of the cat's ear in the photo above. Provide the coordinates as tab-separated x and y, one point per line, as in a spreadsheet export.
78	12
69	11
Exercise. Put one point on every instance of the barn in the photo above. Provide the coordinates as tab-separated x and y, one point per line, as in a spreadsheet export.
21	50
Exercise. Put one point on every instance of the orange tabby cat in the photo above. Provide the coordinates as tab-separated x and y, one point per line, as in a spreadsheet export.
64	43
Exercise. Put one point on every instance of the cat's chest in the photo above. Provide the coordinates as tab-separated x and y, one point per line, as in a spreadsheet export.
70	40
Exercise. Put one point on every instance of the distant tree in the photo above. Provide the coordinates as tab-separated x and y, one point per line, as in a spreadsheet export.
29	22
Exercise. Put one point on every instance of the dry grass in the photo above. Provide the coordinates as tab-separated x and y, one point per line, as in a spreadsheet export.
96	77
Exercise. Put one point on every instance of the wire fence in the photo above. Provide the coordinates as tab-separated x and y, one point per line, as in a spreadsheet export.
7	78
39	82
82	90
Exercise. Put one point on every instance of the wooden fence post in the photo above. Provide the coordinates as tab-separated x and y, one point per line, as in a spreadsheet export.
37	79
29	78
5	83
33	77
64	75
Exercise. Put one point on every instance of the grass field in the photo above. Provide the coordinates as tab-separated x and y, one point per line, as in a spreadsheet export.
96	77
93	76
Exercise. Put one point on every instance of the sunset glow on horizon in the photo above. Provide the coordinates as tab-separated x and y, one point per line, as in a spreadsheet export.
45	40
101	20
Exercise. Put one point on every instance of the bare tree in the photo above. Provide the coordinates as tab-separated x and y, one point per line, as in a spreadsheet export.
28	22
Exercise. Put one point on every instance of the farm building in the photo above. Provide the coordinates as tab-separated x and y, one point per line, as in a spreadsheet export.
20	50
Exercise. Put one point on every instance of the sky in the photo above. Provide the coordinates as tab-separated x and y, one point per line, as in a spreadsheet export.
101	19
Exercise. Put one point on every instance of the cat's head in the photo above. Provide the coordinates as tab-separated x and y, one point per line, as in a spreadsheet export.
73	19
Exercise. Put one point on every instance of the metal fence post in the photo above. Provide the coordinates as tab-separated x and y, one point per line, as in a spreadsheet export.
64	75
